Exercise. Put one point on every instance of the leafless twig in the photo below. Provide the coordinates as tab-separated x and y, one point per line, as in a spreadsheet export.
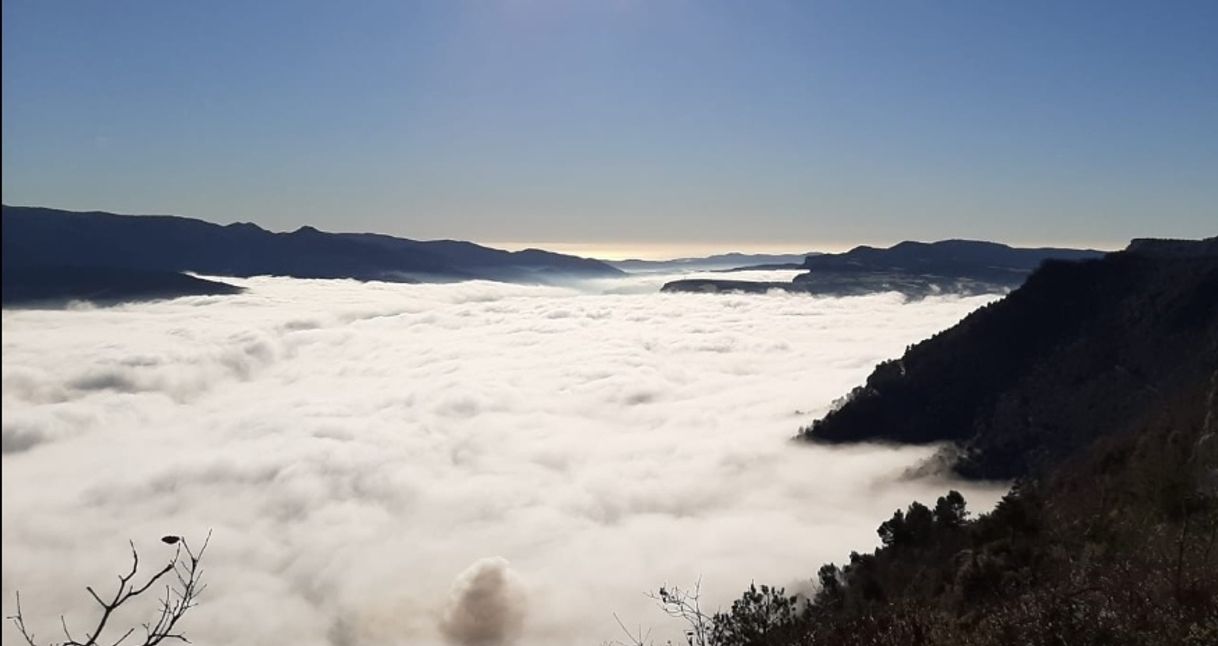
179	597
686	605
638	638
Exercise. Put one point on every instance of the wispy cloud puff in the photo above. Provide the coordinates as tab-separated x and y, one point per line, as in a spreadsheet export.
370	454
487	607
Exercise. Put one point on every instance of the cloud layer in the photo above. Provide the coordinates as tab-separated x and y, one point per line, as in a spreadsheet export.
372	456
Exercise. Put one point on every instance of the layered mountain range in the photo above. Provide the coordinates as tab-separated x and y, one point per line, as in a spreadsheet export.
52	254
734	261
913	268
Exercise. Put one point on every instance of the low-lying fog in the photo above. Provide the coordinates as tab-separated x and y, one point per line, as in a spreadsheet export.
472	463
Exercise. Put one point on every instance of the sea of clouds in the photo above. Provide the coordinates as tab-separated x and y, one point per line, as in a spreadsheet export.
469	464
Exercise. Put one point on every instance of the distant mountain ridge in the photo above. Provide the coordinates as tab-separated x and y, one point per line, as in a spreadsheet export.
49	239
101	285
1082	350
948	258
913	268
717	262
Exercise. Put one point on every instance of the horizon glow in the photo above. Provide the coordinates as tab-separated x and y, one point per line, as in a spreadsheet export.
701	125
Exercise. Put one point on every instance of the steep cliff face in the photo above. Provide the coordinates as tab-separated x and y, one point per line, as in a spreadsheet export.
1082	350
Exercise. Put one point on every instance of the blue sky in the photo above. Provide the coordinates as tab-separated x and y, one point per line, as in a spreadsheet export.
782	125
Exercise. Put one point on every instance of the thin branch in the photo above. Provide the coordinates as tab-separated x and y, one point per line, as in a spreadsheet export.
64	622
19	621
124	637
686	605
640	640
177	599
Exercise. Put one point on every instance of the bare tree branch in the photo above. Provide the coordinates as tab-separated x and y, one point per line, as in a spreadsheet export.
686	605
177	600
633	639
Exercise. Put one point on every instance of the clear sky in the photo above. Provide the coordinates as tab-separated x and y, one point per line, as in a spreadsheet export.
625	124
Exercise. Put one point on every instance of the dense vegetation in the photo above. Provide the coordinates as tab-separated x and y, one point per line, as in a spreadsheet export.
1096	384
1116	547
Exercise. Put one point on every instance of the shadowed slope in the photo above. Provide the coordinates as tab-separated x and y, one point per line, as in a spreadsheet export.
1080	350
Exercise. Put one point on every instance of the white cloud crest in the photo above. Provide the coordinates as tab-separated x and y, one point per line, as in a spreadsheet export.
357	446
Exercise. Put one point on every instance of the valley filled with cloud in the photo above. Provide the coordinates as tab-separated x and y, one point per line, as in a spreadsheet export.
471	463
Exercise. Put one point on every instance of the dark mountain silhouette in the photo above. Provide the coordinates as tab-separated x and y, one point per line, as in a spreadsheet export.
1081	350
1095	385
33	286
912	268
948	258
1114	545
48	239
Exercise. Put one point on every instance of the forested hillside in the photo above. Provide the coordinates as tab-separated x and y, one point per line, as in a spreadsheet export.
1083	349
1095	385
